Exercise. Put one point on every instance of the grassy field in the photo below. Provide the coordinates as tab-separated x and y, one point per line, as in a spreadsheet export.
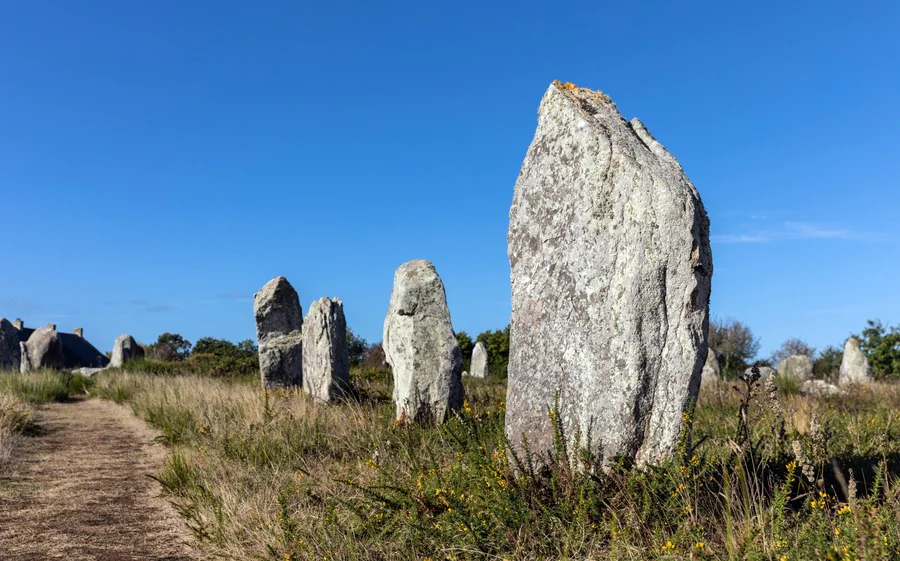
18	395
276	476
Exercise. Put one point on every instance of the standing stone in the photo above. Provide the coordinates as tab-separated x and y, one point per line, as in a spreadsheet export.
125	349
279	331
326	359
611	270
712	372
479	361
10	352
855	367
799	367
43	350
764	372
421	347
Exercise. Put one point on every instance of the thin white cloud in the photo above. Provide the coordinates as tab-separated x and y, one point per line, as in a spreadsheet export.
805	230
739	238
791	230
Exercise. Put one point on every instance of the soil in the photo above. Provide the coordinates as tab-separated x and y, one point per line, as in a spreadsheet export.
81	490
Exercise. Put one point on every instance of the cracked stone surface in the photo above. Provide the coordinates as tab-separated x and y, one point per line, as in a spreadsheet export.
421	347
42	350
611	273
279	331
326	359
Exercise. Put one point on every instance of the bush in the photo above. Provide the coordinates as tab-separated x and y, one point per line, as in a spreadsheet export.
882	347
356	347
169	347
735	343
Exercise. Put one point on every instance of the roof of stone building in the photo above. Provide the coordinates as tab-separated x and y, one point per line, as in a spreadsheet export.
78	352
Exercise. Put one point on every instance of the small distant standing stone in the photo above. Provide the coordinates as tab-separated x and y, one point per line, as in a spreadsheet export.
421	347
279	331
479	361
326	359
712	372
855	368
125	349
764	372
10	352
798	367
44	350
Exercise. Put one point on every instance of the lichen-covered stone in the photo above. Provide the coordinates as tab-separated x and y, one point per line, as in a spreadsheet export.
125	349
855	367
421	347
44	350
279	332
712	372
798	367
611	270
10	353
479	361
326	359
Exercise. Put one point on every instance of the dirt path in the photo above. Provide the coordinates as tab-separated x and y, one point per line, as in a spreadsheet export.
81	491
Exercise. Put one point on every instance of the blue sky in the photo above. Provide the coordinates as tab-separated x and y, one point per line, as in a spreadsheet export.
160	161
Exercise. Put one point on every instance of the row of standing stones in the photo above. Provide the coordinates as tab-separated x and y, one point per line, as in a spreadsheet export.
855	369
611	273
293	352
44	349
418	340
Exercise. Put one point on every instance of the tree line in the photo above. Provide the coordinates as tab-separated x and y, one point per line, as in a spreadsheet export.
737	348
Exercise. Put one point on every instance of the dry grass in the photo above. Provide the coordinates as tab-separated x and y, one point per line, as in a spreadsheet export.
277	476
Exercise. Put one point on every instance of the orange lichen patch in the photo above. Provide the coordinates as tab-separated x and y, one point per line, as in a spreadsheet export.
585	94
567	86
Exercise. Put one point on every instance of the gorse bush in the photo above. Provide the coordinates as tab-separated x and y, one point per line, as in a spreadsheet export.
766	474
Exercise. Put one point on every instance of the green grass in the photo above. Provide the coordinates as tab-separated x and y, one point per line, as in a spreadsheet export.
277	476
43	386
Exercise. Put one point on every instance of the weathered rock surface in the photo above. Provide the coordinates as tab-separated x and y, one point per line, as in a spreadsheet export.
855	367
10	353
279	332
479	361
326	359
421	347
819	387
764	372
125	349
712	372
43	350
611	273
799	367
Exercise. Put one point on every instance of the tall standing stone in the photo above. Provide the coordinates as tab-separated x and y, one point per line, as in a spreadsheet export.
479	361
326	359
10	352
712	372
43	350
611	270
279	331
421	347
798	367
855	367
125	349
